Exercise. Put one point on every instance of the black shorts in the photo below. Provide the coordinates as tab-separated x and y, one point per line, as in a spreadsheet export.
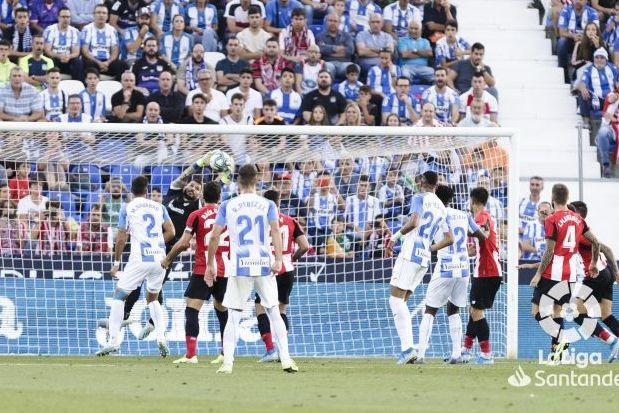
285	283
543	287
483	291
198	289
602	285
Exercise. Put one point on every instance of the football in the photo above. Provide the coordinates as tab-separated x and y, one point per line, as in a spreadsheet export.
220	161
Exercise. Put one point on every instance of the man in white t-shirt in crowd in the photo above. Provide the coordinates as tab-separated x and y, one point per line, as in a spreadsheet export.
478	90
253	98
217	105
33	203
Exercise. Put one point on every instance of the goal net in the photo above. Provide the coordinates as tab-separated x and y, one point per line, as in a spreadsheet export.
67	183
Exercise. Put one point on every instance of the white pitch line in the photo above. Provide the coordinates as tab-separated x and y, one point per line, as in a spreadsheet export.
55	364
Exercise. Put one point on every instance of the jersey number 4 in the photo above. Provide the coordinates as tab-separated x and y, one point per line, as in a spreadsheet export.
569	242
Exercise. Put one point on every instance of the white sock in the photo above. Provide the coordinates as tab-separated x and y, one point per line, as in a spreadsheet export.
230	335
455	332
156	313
117	310
403	321
425	331
278	329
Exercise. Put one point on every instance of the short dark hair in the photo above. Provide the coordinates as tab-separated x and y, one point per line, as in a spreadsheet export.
580	208
93	70
269	102
365	89
560	194
477	46
199	96
54	69
287	70
352	68
211	192
139	185
34	182
298	12
441	69
21	10
151	39
232	38
155	189
246	70
248	175
479	195
385	50
403	78
254	9
452	23
100	6
478	74
364	178
272	195
445	194
74	96
237	96
430	178
272	39
64	8
4	42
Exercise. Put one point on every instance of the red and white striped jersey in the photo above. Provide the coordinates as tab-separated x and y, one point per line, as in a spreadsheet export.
566	229
290	230
584	249
200	223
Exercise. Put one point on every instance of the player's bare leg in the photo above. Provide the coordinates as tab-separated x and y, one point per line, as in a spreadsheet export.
156	314
403	323
192	330
222	317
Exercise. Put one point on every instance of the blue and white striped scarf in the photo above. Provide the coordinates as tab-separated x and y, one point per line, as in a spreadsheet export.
26	42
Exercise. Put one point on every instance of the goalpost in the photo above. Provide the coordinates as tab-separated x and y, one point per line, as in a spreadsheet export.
54	277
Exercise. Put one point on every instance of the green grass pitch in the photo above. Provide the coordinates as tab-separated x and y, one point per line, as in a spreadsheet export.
130	384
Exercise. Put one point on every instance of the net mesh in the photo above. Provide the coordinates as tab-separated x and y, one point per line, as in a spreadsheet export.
56	237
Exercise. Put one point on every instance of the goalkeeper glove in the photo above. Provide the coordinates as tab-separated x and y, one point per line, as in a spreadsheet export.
205	160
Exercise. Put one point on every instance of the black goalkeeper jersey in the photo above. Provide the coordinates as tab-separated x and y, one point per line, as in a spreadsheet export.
179	211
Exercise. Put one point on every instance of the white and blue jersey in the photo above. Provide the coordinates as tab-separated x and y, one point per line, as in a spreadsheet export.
576	24
349	90
248	218
600	81
93	105
143	219
400	19
324	208
202	19
177	49
54	104
360	14
446	52
443	102
100	42
527	211
432	219
534	232
453	261
129	37
61	42
288	104
382	79
391	104
165	16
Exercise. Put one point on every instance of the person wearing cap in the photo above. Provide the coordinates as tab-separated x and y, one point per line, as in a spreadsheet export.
135	36
124	14
596	82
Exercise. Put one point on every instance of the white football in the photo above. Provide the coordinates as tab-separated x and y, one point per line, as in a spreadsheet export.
220	161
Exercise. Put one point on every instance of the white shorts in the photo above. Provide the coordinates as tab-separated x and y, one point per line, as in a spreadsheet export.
239	290
136	272
441	290
407	275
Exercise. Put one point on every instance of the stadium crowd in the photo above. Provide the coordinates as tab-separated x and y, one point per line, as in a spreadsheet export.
327	62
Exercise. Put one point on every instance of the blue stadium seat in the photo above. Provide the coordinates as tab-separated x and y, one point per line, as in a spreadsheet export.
418	90
317	29
88	200
107	146
162	176
125	172
84	178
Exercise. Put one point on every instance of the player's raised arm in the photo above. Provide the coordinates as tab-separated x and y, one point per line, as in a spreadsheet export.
304	247
180	246
196	168
610	257
595	252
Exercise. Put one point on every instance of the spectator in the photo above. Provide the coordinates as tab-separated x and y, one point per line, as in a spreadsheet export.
197	117
279	14
476	116
236	115
346	179
493	205
228	70
33	203
450	48
595	84
53	166
572	21
253	99
436	14
44	13
187	75
149	68
330	99
607	135
533	241
10	239
399	16
268	68
361	210
369	110
296	38
54	100
217	105
135	36
202	17
461	73
83	12
478	90
336	47
51	233
94	233
112	200
269	114
176	45
341	12
62	44
19	101
339	245
392	120
163	13
74	112
378	239
237	14
171	103
415	52
100	45
128	103
19	185
428	116
7	16
315	10
93	102
124	14
382	77
352	116
349	88
156	195
584	49
308	77
391	195
253	38
5	64
323	204
444	98
401	102
528	207
154	148
303	180
20	35
371	42
5	191
35	65
290	205
361	12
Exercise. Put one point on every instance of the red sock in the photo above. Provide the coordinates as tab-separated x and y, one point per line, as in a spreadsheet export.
268	341
484	346
604	335
468	342
191	343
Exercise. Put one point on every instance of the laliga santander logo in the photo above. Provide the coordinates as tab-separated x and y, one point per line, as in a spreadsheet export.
569	311
519	378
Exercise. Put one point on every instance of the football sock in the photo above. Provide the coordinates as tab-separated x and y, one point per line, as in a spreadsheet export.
471	333
160	299
130	302
222	317
116	318
192	329
599	331
285	318
230	335
280	333
556	340
403	322
455	332
612	323
425	331
264	327
483	335
156	314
